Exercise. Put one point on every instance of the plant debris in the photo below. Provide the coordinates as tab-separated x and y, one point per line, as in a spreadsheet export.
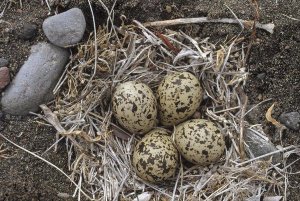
271	119
100	151
279	127
247	24
3	154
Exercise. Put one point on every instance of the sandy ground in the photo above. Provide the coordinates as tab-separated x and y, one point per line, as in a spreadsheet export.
275	56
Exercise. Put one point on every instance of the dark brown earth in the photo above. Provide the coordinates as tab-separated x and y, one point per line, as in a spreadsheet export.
274	66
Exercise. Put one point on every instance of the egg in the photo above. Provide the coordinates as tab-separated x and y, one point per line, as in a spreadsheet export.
155	158
134	106
178	97
199	141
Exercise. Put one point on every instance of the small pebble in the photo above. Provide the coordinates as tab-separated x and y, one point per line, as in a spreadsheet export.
290	120
169	9
4	77
33	85
3	62
65	29
260	97
261	76
28	31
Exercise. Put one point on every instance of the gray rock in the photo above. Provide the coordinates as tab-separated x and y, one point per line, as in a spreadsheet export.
4	77
36	79
3	62
66	28
256	114
28	31
259	146
290	120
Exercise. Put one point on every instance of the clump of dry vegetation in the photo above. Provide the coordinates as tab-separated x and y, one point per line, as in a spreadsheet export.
82	115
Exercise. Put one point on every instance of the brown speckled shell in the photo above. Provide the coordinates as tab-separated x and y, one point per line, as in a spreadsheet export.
135	107
178	96
199	141
155	158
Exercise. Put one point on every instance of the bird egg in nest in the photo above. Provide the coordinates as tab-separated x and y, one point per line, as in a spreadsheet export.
178	96
155	158
199	141
135	107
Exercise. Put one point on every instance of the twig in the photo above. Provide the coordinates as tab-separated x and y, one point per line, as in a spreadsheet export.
292	18
48	5
3	154
180	21
4	4
265	155
253	34
243	109
95	42
257	105
235	17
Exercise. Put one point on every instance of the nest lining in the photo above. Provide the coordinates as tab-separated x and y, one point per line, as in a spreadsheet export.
100	151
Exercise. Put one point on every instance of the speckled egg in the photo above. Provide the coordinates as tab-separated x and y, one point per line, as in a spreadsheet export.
178	96
135	107
155	158
199	141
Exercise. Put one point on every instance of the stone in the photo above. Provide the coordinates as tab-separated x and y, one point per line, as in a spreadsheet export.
65	29
62	3
28	31
290	120
4	77
36	79
3	62
256	115
259	146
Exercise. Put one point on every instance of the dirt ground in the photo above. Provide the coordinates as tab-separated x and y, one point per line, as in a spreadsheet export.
274	66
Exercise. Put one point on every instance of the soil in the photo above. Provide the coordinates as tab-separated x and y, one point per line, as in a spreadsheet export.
273	65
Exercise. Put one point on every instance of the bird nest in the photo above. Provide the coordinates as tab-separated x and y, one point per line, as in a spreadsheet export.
100	150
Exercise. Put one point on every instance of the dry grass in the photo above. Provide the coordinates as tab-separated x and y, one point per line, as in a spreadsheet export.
100	151
3	152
